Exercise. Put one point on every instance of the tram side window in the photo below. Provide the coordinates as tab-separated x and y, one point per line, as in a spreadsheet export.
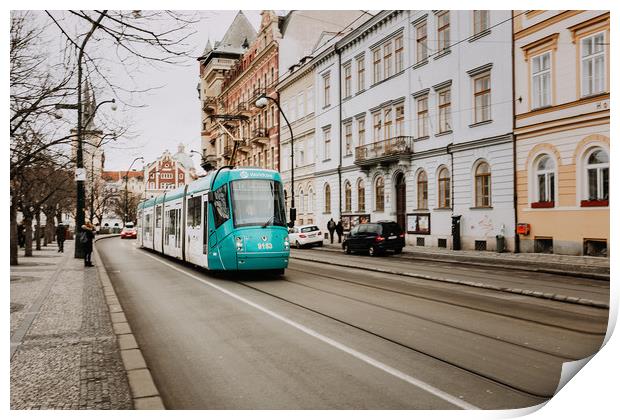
147	227
193	211
221	212
170	225
158	217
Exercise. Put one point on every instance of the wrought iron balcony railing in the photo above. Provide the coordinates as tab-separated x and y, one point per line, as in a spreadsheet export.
387	150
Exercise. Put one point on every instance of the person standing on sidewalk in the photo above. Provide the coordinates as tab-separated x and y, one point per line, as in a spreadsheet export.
60	237
86	237
339	231
331	227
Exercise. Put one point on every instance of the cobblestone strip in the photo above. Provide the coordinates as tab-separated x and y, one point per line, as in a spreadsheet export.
144	392
526	292
18	336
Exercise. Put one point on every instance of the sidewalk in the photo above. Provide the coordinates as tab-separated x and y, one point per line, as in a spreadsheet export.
579	266
64	346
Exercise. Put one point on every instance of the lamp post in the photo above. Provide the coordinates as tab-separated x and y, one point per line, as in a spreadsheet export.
261	102
126	192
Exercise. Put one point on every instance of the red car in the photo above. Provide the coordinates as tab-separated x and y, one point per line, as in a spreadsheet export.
129	232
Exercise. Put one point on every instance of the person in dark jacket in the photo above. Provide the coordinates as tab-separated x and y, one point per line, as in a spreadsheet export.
60	237
86	237
339	231
331	227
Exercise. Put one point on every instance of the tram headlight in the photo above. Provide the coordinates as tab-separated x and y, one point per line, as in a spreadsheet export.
286	243
238	243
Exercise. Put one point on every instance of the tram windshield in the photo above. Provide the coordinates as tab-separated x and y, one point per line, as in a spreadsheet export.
258	202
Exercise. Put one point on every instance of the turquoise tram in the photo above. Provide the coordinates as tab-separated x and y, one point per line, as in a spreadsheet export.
232	219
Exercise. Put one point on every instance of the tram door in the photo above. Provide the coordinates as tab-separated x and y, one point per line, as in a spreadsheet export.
193	230
205	230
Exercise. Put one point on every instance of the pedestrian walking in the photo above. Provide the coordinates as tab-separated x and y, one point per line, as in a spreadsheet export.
331	227
60	237
86	238
339	231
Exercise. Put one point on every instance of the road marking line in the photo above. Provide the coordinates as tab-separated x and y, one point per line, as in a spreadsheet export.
361	356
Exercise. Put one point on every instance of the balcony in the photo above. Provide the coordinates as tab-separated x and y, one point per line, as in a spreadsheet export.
227	151
209	162
260	135
244	146
390	150
209	105
243	109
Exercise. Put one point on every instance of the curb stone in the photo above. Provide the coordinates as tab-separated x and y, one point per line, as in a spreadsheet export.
530	293
145	395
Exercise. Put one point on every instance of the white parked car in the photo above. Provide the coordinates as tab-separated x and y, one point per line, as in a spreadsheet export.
305	235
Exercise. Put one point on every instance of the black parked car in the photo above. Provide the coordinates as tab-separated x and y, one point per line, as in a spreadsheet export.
375	238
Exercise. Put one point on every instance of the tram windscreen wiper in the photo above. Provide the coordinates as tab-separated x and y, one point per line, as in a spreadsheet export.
267	222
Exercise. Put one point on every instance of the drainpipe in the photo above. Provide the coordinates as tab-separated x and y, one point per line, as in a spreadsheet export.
514	142
340	134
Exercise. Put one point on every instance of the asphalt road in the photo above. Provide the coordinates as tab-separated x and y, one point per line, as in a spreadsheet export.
328	337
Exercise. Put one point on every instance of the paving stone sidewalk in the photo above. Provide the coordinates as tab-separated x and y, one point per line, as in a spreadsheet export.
64	352
596	267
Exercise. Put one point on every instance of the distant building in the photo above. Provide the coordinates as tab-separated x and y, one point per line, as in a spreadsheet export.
562	104
112	194
168	172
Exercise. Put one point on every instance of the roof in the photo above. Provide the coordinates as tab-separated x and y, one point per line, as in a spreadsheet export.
119	175
239	32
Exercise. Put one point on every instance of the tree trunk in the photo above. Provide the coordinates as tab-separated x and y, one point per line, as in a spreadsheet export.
37	230
28	235
14	244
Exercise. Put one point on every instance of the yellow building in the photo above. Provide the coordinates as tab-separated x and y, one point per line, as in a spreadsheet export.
562	108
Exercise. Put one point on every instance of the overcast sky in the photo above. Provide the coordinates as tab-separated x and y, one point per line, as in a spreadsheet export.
172	115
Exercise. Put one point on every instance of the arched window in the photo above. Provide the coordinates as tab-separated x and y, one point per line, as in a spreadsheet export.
347	196
379	194
361	196
483	185
328	199
545	179
422	190
300	202
444	188
597	175
310	200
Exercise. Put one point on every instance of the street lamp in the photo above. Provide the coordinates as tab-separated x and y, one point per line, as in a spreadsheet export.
126	192
262	102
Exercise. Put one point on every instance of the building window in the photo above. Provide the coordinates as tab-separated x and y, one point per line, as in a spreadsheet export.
326	101
361	196
376	122
482	98
400	120
421	43
398	54
593	64
443	31
361	131
444	110
545	179
347	81
387	60
597	175
347	196
483	185
348	139
541	80
301	112
327	143
328	199
376	66
310	200
423	116
422	190
444	188
300	200
387	124
481	21
379	194
361	82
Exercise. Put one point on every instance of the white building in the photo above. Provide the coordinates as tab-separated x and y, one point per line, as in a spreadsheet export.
413	123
